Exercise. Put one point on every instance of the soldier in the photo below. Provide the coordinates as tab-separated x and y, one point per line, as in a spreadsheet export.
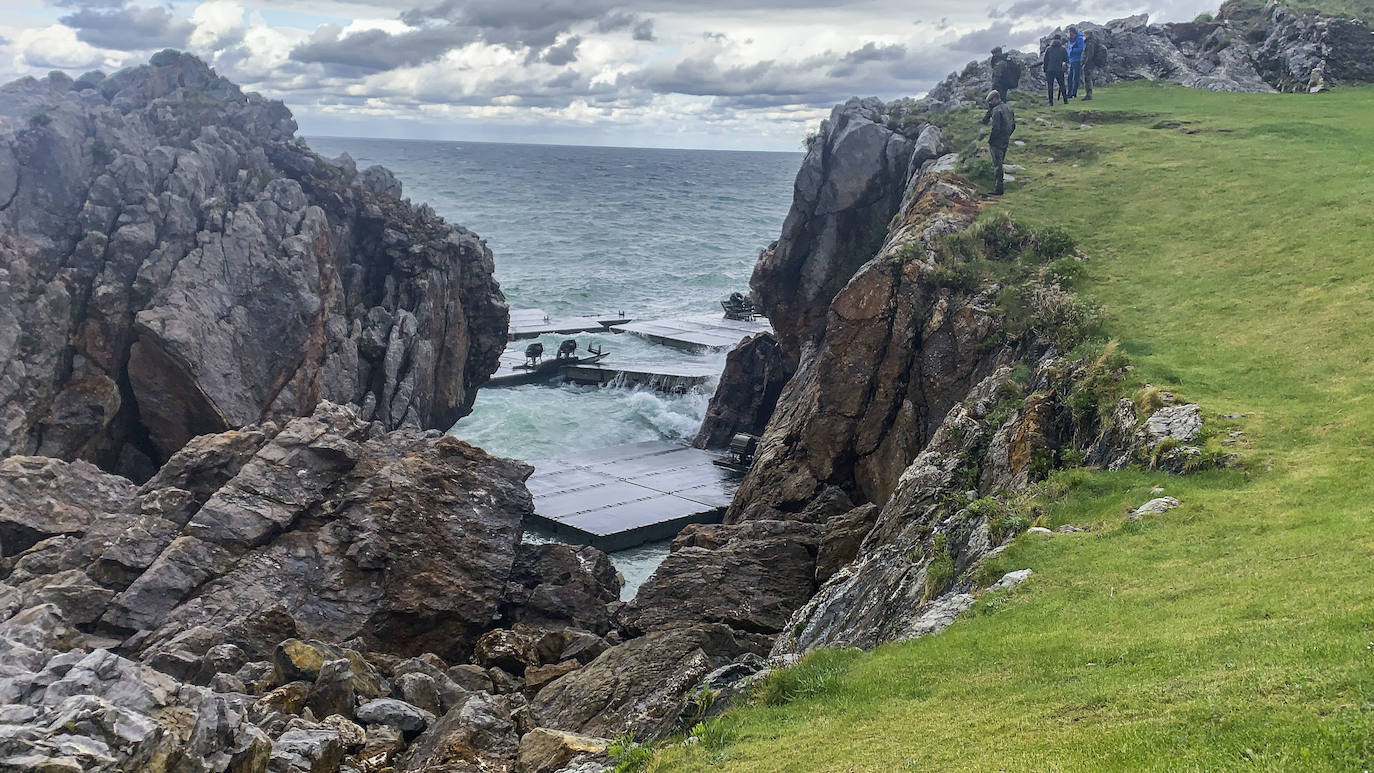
1003	122
1006	72
1094	56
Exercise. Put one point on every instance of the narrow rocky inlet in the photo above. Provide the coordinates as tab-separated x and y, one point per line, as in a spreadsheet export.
233	538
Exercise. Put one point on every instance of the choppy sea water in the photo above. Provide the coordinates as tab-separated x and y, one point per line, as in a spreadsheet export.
589	231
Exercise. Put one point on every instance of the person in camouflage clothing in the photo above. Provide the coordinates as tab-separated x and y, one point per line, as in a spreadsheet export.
1003	122
1094	56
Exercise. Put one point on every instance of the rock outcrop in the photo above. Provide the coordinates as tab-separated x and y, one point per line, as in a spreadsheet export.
1245	49
754	375
850	184
175	262
897	353
327	528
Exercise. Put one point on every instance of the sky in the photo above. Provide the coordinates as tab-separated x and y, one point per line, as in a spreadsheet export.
723	74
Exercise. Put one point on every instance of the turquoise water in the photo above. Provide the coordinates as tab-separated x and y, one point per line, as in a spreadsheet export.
587	231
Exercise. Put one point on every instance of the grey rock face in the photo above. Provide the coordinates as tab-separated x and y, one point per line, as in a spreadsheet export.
175	262
330	530
754	375
641	685
849	186
748	576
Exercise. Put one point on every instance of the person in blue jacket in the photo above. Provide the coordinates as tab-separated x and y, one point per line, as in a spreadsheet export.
1075	61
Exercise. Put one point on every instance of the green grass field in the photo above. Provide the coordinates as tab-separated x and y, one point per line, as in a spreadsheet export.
1231	238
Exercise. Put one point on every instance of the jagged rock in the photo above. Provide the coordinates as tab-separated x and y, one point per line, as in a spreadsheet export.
755	372
333	692
471	678
898	352
290	698
419	690
748	576
841	539
478	735
1116	447
849	186
409	719
176	262
306	751
544	750
900	584
640	686
554	586
1179	423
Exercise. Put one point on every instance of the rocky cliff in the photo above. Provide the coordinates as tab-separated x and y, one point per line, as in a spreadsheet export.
1245	48
175	262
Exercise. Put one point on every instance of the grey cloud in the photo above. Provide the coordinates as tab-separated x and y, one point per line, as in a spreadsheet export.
1003	34
534	23
644	30
377	50
1037	9
816	81
562	53
87	3
129	28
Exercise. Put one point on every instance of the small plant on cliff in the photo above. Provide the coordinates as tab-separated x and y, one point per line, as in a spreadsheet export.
629	756
1049	313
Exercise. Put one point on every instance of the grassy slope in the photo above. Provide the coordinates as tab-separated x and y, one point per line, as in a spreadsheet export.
1238	630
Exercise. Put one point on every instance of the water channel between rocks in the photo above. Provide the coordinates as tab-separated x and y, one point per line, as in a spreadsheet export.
589	231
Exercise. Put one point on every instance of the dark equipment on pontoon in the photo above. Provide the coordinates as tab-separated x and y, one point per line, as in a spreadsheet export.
567	349
738	306
533	354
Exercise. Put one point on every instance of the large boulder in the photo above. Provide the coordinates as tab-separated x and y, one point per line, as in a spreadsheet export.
174	261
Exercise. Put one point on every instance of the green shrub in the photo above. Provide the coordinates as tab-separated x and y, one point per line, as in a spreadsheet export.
1065	271
714	734
959	277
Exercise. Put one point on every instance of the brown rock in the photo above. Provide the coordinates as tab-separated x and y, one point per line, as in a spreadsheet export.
538	676
544	750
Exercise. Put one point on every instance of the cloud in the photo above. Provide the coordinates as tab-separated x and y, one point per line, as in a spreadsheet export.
1003	33
644	30
377	50
129	28
561	53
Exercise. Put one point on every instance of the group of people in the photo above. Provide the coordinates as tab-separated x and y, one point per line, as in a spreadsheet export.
1067	66
1077	60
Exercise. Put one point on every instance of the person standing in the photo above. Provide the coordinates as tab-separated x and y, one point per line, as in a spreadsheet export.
1003	122
1002	79
1075	48
1056	61
1094	56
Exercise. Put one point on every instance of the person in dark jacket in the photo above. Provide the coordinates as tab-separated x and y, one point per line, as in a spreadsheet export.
1056	62
1094	56
1003	122
1075	61
1002	75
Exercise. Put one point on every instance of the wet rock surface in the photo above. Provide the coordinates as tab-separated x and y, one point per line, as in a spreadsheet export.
174	261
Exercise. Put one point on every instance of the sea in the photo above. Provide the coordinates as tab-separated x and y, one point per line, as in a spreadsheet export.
587	231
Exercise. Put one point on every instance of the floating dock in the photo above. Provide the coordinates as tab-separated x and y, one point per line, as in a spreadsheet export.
616	498
532	323
701	332
508	373
664	378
